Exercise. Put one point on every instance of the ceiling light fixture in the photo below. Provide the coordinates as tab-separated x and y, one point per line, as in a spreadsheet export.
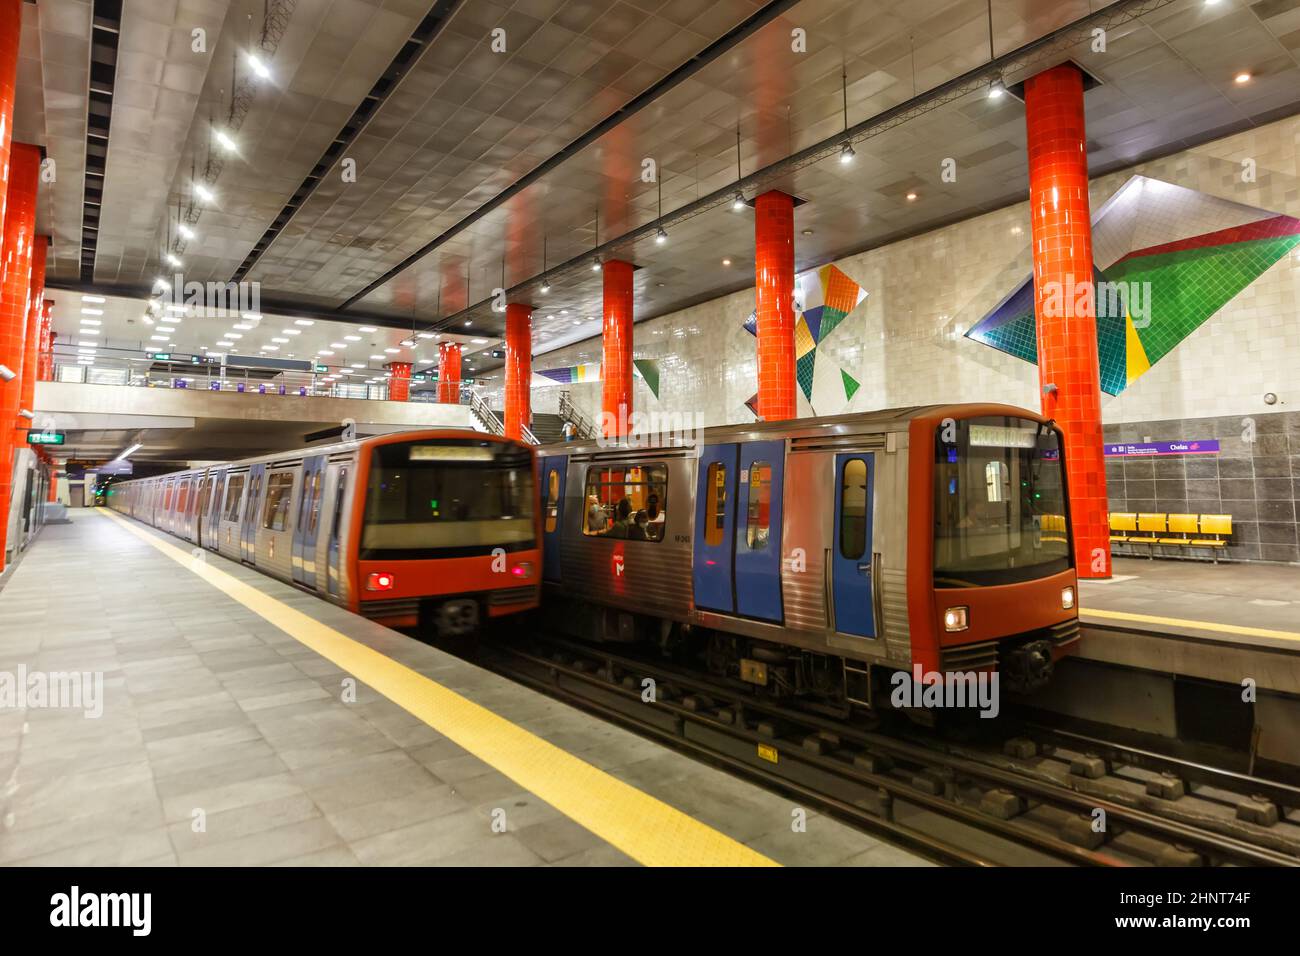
996	89
846	151
366	328
738	203
660	236
1242	77
173	261
911	197
258	67
303	322
846	154
224	141
92	311
92	298
204	193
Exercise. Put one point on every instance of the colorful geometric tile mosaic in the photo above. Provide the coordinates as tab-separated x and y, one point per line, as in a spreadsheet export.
1173	258
646	369
823	300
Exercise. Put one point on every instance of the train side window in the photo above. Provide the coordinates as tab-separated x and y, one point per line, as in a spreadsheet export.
183	497
340	487
167	496
626	501
552	500
234	492
205	492
997	481
315	499
758	516
279	492
853	509
715	505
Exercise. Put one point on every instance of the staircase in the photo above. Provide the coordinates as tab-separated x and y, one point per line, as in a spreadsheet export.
548	428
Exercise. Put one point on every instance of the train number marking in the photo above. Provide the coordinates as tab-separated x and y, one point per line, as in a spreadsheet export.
618	565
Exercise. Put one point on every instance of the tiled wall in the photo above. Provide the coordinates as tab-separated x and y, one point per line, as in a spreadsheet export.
1255	478
906	344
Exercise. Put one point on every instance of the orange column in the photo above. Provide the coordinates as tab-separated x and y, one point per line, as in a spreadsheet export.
399	382
449	373
11	25
774	292
519	369
31	340
1067	325
18	238
616	370
45	362
54	480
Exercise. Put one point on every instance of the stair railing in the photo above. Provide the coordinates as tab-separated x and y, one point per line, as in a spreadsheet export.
583	426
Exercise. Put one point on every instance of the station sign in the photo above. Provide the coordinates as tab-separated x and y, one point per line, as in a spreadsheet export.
1208	446
35	437
158	356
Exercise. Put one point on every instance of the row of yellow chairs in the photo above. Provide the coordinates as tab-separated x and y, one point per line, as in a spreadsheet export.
1049	523
1193	531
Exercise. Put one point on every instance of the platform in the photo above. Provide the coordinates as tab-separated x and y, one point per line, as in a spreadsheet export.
225	739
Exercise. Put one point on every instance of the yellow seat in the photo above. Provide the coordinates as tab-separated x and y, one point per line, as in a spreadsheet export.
1209	543
1216	524
1153	523
1119	537
1181	524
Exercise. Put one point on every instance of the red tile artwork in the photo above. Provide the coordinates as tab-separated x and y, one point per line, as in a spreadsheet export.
449	355
399	382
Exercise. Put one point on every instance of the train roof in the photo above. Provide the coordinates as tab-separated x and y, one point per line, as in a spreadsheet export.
336	448
872	422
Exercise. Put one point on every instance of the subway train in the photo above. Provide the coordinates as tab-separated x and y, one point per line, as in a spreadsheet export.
818	558
33	472
436	530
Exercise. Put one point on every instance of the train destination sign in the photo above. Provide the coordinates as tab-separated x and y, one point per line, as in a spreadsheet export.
36	437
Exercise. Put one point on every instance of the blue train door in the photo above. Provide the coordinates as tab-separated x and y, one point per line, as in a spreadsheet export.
554	468
248	525
715	524
758	529
308	520
851	548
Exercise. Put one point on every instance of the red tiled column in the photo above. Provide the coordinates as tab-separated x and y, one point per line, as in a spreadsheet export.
399	382
18	239
1067	325
616	370
519	368
449	354
11	25
774	292
31	340
45	362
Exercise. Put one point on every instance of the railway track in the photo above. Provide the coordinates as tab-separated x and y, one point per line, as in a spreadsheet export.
1033	796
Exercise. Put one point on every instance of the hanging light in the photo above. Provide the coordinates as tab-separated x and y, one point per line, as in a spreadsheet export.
846	153
660	236
546	287
996	89
738	203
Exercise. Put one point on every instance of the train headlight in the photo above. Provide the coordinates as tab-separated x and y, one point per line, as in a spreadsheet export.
1067	598
380	581
524	569
956	619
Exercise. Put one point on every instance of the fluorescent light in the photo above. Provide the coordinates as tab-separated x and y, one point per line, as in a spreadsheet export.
479	341
224	141
338	345
358	365
173	261
376	358
392	351
279	339
352	338
324	352
164	328
291	331
270	348
224	344
367	328
85	361
87	341
252	316
91	322
130	451
92	298
159	338
234	335
85	351
185	231
242	326
406	343
204	193
92	311
303	322
257	66
424	335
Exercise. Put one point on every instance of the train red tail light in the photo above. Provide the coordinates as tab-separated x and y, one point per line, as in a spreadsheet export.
380	581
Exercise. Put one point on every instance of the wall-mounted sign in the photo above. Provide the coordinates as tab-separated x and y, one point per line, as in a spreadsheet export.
1201	447
44	438
158	356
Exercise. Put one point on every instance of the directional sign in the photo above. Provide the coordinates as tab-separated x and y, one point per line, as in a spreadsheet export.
44	438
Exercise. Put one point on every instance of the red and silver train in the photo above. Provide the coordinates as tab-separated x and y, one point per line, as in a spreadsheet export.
817	557
430	529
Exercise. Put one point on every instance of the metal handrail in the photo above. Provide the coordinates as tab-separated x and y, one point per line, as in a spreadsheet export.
487	418
584	428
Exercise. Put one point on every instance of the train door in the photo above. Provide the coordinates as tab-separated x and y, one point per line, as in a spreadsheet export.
212	520
758	529
305	528
852	561
248	522
333	551
715	523
553	484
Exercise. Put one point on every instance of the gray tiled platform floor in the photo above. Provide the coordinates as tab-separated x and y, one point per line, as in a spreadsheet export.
1248	595
209	706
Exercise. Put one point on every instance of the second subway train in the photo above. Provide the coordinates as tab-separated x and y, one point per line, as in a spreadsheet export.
435	529
817	557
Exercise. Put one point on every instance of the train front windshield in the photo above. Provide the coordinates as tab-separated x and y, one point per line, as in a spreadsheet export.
999	503
447	498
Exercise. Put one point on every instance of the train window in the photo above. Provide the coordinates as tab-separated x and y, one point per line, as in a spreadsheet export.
552	500
234	492
167	496
997	481
338	504
448	496
715	505
853	509
279	494
205	492
759	513
183	497
626	501
314	491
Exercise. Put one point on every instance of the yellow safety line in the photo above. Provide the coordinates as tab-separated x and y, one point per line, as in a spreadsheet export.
646	829
1198	625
